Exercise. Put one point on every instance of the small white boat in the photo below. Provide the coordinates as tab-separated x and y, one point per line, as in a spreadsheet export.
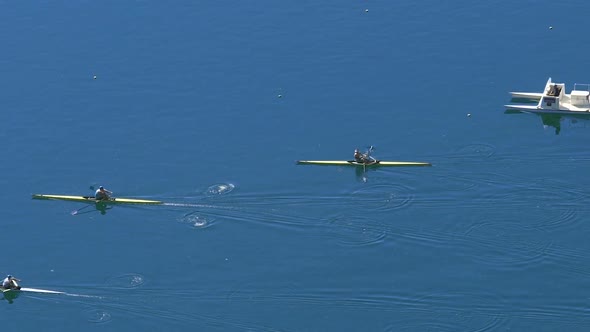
553	99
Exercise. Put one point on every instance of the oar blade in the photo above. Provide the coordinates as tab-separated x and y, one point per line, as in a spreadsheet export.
75	212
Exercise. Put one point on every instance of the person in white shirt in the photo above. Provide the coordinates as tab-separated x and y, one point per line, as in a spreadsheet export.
10	282
102	194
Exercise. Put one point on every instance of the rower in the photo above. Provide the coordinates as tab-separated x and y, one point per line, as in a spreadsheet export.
10	282
358	156
102	194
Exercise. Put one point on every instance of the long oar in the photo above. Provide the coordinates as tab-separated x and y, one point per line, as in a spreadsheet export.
75	212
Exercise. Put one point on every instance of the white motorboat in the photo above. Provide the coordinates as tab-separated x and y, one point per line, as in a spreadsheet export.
553	99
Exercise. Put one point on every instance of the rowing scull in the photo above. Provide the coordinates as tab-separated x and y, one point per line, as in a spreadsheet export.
91	199
355	163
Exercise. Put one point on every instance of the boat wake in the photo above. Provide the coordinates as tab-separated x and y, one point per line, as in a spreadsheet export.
190	205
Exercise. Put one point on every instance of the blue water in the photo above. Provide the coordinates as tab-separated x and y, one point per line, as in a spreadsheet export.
207	106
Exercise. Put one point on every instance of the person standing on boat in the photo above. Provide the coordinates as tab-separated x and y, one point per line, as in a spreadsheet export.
10	282
102	194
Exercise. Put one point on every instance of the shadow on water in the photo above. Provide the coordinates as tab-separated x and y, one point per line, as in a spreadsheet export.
557	121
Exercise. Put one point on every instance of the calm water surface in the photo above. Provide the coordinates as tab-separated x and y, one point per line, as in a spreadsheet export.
207	106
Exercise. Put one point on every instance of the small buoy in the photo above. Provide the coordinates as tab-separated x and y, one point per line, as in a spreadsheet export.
366	10
550	28
468	114
280	96
94	77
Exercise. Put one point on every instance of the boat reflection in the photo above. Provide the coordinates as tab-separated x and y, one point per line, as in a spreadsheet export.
102	208
99	207
552	120
10	296
558	121
363	172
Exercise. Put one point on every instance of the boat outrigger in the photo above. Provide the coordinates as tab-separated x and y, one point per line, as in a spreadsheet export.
91	199
553	99
527	96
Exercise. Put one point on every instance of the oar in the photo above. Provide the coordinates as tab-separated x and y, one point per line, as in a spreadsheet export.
75	212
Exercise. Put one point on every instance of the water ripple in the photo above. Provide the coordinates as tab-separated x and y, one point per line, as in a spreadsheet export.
476	150
220	189
197	220
543	193
427	237
556	313
383	197
501	246
456	183
278	199
439	311
126	281
567	259
447	312
98	316
464	321
554	219
180	318
354	231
